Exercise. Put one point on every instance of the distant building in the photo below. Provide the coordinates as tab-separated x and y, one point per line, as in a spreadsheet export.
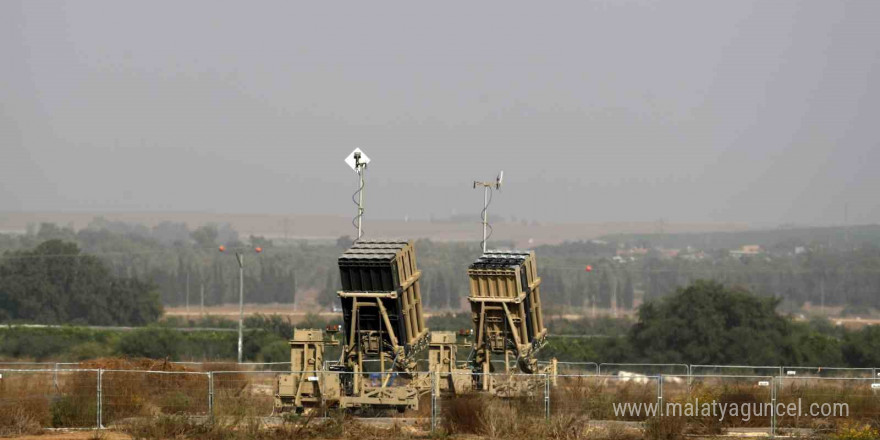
693	255
632	252
669	253
749	249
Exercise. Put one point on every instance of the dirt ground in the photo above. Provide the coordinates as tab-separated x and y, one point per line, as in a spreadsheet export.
231	311
299	313
76	435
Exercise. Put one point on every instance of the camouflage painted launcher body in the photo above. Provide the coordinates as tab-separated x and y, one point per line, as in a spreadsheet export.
505	300
382	303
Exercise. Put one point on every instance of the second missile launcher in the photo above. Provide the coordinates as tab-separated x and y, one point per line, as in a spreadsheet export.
505	300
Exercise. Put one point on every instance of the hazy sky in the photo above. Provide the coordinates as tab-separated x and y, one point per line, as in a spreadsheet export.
752	111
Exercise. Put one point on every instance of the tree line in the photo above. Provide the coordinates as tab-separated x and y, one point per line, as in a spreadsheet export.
56	284
181	263
704	323
711	323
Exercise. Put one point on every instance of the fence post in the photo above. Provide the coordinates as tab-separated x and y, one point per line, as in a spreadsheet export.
100	397
55	378
773	396
211	397
433	401
660	395
547	396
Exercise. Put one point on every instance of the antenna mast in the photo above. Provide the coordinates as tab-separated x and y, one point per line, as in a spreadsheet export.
487	199
358	161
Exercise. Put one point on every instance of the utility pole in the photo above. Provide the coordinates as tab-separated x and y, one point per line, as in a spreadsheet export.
187	293
202	306
239	257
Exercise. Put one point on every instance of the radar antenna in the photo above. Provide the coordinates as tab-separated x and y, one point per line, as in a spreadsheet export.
487	199
358	161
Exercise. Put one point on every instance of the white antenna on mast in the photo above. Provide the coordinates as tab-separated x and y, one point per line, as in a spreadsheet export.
358	161
487	199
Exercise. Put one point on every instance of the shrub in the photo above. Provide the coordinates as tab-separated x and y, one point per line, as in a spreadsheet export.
665	428
856	431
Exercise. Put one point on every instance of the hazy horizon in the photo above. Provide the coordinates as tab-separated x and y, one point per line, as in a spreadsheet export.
744	112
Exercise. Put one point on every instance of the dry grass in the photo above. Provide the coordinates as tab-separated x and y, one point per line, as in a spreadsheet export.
665	428
862	401
148	387
154	405
337	427
19	421
31	400
595	396
494	418
69	399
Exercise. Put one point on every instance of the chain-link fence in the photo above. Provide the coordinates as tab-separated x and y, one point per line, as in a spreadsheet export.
573	367
733	370
241	394
127	395
816	402
49	398
642	369
829	372
604	397
458	402
712	404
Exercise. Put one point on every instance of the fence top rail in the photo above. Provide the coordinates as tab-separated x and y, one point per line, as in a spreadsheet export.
609	376
225	362
637	364
46	371
400	373
570	363
827	378
470	373
152	371
831	368
26	363
776	367
724	376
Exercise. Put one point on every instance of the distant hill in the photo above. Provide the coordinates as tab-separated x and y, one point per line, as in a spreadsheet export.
523	233
781	238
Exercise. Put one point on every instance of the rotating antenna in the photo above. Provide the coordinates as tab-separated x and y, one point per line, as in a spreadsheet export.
487	199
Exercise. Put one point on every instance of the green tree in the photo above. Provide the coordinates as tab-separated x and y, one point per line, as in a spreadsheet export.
862	348
708	323
54	284
205	236
328	295
627	295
